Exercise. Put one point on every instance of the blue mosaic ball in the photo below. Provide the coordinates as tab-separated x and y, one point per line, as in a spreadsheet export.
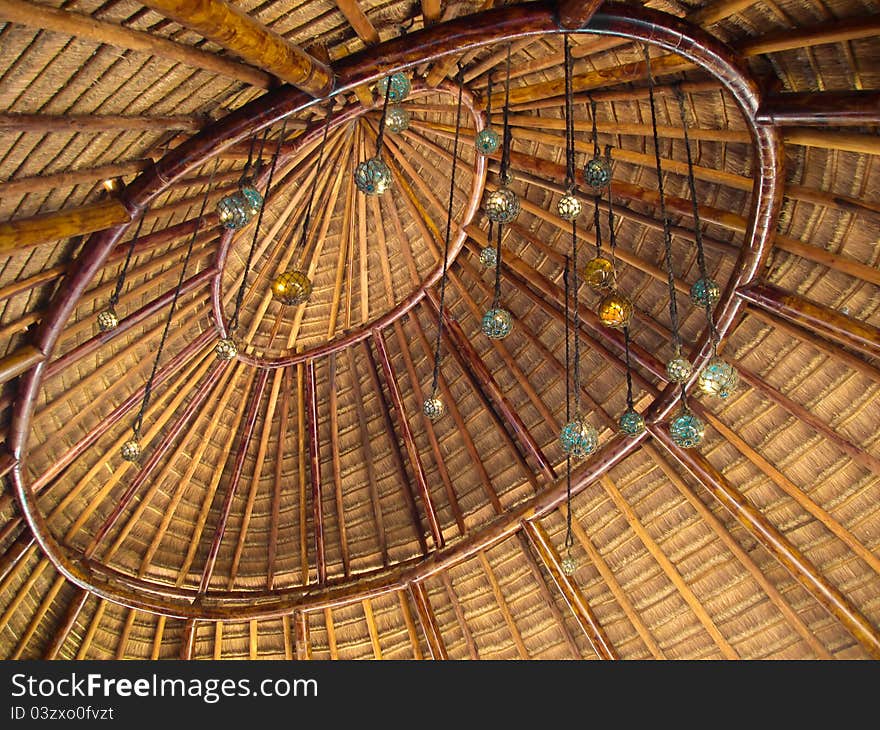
373	176
705	291
687	429
497	323
400	87
631	423
578	438
488	141
718	378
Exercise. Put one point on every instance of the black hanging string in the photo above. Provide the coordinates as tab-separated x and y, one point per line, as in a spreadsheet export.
667	235
698	234
120	282
577	321
507	134
308	214
148	388
239	298
436	375
597	198
250	159
565	275
612	236
496	296
569	120
489	102
381	135
629	380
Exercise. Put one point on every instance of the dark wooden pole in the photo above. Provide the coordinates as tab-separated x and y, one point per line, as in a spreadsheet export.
822	320
409	441
315	469
574	14
819	109
428	621
773	541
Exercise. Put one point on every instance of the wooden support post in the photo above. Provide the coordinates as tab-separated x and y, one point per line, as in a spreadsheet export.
820	109
572	595
822	320
409	441
74	608
773	541
231	27
234	480
428	621
315	470
470	360
303	639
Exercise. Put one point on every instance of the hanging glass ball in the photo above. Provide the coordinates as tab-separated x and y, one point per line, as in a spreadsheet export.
292	287
489	257
400	87
615	310
434	408
578	438
373	176
488	141
108	320
569	207
705	291
131	450
679	369
397	119
631	423
502	205
497	323
226	349
234	211
252	197
568	565
686	429
718	378
599	273
597	174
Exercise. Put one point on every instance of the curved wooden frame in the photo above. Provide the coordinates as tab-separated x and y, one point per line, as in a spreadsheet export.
436	41
401	308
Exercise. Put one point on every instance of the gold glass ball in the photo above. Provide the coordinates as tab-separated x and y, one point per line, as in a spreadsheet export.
433	408
131	450
679	369
108	320
718	378
497	323
615	310
599	273
568	565
569	207
397	119
225	349
373	176
292	287
489	257
502	205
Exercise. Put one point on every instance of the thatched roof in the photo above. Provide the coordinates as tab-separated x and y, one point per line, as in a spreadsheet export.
295	502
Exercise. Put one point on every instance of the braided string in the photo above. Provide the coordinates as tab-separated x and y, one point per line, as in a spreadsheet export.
565	274
569	121
308	214
612	236
597	198
381	135
120	282
506	138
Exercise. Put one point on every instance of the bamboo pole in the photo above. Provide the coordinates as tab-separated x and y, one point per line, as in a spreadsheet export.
570	592
819	109
358	20
277	487
187	640
333	410
19	360
428	621
410	624
501	602
44	123
74	608
231	27
68	179
838	31
823	321
303	640
371	628
315	470
88	28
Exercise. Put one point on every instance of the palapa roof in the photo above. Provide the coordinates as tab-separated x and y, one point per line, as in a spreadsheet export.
438	539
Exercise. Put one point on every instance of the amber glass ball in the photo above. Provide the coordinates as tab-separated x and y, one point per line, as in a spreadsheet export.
397	119
679	369
718	378
292	287
568	565
433	408
489	257
502	205
615	310
497	323
569	207
108	320
599	273
131	450
225	349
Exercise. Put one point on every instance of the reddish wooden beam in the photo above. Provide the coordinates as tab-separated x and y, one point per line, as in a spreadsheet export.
470	359
303	637
819	109
157	454
428	621
315	469
74	608
396	454
570	592
818	318
238	466
409	441
773	540
188	640
283	421
574	14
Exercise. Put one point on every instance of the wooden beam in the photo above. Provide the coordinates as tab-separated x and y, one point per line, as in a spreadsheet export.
431	10
67	179
43	123
17	361
570	592
235	30
574	14
863	144
428	621
824	321
410	624
303	638
358	20
315	470
409	441
822	108
24	233
86	27
333	410
371	628
277	487
774	541
74	608
187	640
234	480
838	31
38	616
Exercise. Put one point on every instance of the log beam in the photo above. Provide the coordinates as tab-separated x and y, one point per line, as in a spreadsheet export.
819	109
34	230
428	621
358	20
238	32
311	404
773	541
43	123
824	321
74	608
574	14
17	361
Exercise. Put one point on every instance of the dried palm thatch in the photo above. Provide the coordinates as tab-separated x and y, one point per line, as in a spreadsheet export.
294	502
